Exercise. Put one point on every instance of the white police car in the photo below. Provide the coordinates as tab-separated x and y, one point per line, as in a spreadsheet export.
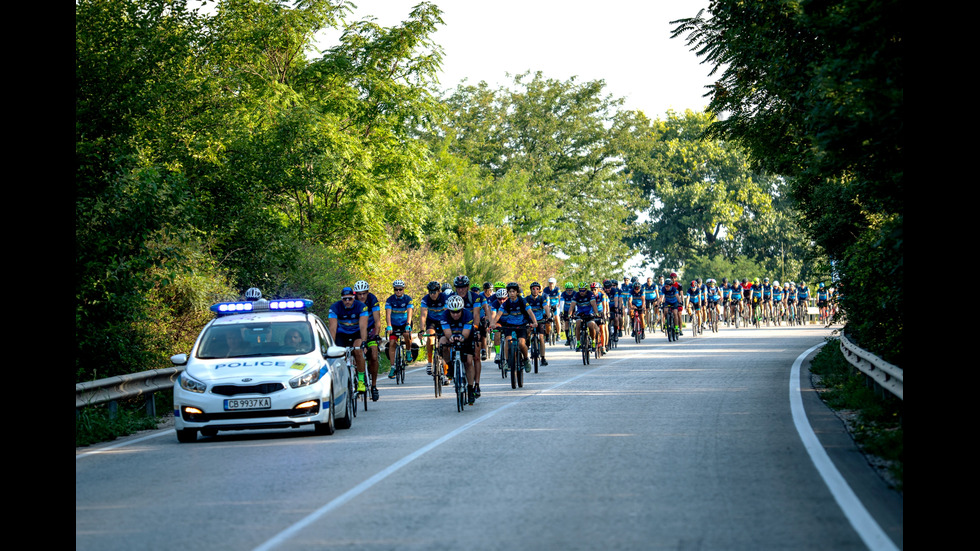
259	365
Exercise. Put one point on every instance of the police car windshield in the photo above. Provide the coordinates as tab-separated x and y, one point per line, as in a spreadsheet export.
256	339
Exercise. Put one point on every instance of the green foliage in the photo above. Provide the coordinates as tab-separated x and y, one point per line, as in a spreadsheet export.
94	424
814	91
548	166
702	198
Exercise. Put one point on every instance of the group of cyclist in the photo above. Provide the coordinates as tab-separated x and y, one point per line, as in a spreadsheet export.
469	319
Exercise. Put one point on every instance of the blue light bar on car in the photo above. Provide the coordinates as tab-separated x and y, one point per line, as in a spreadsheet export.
262	305
232	307
290	304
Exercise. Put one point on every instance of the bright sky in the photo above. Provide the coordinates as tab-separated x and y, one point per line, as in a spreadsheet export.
624	42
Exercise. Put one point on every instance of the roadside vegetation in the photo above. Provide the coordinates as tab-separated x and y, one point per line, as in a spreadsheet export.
877	420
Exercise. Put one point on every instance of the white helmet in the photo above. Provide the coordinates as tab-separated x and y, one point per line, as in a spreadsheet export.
501	293
454	303
361	286
253	294
398	283
552	280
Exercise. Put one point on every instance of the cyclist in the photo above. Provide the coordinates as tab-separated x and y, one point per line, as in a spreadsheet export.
602	301
823	300
756	288
431	312
542	312
637	303
487	297
778	302
652	296
693	301
500	295
398	314
552	293
457	326
672	302
803	298
615	307
713	296
564	305
347	322
583	305
473	302
362	292
514	317
767	312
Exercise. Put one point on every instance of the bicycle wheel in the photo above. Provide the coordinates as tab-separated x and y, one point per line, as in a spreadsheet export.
436	375
636	329
534	352
512	363
459	382
352	389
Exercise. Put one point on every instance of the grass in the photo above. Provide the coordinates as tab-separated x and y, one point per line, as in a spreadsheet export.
94	424
878	430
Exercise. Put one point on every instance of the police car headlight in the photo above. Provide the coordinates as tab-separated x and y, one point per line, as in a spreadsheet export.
305	379
191	384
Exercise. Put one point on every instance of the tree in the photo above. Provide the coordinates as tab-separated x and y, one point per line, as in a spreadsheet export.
814	90
548	149
703	199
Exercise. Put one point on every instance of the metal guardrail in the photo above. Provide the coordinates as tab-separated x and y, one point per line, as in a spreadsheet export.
888	376
121	387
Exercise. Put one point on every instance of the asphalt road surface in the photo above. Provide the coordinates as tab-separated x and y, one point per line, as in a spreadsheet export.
685	445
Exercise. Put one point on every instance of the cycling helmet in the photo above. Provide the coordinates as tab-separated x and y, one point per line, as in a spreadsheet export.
668	281
582	286
253	294
552	280
569	285
487	285
501	293
765	280
775	283
432	286
821	285
454	303
594	285
633	279
673	275
535	284
398	283
475	289
636	285
361	286
461	281
513	285
498	285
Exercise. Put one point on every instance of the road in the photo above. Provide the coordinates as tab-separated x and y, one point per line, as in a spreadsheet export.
685	445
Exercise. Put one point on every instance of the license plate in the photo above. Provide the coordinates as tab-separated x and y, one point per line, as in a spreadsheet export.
247	403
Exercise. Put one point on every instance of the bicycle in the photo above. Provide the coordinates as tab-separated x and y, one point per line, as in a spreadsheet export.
514	352
459	376
400	359
713	319
351	378
584	340
637	327
669	328
534	348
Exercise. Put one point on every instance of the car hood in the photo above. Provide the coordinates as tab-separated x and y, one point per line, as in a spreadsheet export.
264	368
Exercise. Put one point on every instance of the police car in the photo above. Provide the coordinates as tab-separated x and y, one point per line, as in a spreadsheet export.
259	365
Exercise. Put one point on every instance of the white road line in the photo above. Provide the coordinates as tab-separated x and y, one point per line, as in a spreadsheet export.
288	533
862	521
